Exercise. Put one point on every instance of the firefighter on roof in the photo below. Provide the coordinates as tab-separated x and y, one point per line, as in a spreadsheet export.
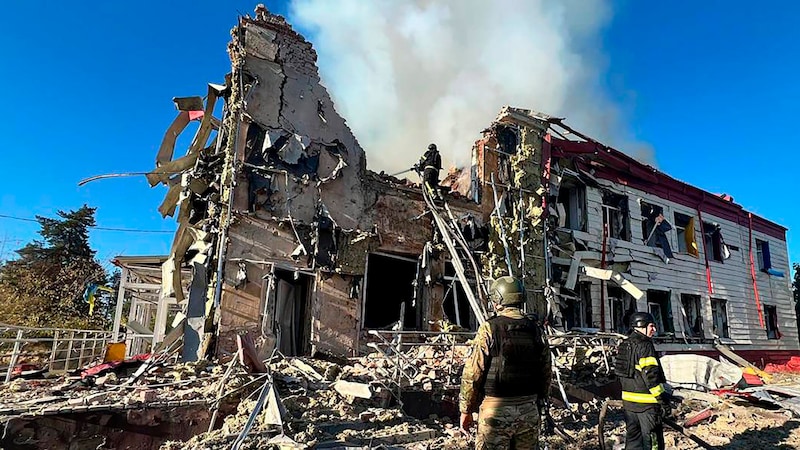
430	164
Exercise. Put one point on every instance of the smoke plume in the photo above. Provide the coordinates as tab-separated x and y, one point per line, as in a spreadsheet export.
405	73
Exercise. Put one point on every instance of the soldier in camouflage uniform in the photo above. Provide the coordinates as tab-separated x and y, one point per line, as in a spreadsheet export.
508	374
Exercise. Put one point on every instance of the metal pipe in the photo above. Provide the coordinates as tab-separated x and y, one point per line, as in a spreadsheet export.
14	356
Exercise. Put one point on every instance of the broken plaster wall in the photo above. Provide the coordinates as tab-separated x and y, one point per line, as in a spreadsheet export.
302	198
298	149
297	184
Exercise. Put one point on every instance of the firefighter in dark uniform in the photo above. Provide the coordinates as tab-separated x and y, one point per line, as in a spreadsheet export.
430	164
643	396
508	374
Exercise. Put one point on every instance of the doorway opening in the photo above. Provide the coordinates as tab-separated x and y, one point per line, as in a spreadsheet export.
292	312
389	291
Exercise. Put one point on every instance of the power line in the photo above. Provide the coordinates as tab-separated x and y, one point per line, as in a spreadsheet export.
124	230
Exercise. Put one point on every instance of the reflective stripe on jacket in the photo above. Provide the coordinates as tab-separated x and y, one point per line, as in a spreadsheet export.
648	380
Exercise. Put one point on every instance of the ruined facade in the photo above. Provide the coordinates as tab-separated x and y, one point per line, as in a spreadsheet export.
287	234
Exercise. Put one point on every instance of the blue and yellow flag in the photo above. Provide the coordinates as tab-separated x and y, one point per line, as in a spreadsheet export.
90	293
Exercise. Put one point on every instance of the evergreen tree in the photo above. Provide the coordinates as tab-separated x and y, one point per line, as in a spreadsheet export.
44	285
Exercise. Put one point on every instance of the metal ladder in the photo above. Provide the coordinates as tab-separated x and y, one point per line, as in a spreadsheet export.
460	253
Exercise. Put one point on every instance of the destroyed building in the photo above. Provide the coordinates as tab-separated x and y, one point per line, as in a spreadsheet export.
284	232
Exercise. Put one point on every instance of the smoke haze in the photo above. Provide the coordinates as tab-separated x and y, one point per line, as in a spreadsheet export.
405	73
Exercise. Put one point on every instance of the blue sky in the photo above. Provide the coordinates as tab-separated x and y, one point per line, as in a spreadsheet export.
88	88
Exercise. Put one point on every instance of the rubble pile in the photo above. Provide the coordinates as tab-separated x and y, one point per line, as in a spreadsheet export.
584	359
326	405
157	384
148	393
436	363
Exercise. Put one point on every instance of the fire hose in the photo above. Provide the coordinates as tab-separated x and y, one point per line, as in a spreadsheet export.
666	421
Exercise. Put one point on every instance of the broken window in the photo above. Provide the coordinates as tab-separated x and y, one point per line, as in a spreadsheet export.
578	313
660	306
615	216
714	245
719	314
456	306
692	315
655	228
571	205
772	322
389	292
622	306
684	226
763	256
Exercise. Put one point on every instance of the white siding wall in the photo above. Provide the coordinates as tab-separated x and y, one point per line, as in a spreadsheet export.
685	274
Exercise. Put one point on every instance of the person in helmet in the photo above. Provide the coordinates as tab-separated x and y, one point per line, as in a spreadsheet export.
643	395
508	374
431	164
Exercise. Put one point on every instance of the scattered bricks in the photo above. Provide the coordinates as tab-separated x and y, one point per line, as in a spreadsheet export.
147	396
699	417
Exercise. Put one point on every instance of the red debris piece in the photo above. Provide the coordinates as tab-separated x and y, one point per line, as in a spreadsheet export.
699	417
100	369
752	379
791	366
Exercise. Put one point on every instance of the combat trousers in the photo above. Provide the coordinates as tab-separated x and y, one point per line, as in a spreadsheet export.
644	430
508	424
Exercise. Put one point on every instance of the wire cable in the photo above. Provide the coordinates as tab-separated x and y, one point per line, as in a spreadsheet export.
123	230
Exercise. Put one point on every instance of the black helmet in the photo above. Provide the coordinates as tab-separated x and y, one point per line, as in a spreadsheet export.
506	291
432	147
641	319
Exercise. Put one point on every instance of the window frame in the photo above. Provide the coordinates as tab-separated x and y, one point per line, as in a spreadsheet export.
576	210
726	329
710	233
610	211
763	255
693	314
680	231
770	311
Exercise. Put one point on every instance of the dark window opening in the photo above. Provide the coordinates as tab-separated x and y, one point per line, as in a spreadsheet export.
390	291
692	315
292	312
660	306
712	240
456	306
622	306
507	139
649	214
684	227
571	205
763	256
578	312
615	216
772	322
719	313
